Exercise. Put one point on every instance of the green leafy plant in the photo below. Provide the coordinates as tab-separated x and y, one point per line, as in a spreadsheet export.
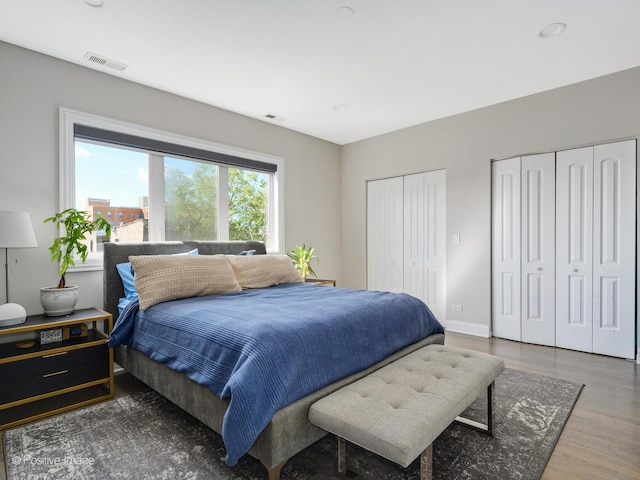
76	224
302	257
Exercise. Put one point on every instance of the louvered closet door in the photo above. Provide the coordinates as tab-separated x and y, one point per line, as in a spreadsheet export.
424	239
384	235
506	249
614	249
574	253
538	249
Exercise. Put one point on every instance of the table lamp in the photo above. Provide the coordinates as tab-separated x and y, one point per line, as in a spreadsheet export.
16	231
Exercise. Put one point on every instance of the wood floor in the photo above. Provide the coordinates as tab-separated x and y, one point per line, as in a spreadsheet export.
602	437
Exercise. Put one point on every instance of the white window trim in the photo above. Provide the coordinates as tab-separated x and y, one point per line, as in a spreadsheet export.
223	207
156	200
68	118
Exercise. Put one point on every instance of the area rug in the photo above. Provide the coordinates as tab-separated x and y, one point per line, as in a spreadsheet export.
144	436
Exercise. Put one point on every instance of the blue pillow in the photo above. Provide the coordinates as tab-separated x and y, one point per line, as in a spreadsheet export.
247	252
126	275
130	292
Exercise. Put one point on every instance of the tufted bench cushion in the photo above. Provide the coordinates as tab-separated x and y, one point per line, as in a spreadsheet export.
400	409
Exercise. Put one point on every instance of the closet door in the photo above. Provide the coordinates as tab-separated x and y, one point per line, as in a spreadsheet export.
538	249
506	249
424	239
614	249
574	253
384	235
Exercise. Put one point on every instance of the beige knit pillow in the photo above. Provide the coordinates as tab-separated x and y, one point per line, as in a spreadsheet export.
260	271
160	278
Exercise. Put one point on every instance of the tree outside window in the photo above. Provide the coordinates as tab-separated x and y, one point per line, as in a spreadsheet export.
247	205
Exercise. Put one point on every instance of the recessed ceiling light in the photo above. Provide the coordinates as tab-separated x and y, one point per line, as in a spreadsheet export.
552	30
341	107
346	12
93	3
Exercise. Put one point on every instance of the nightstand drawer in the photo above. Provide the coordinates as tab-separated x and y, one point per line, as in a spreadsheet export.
48	363
54	373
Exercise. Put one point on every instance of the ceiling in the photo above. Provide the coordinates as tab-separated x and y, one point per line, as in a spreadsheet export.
340	70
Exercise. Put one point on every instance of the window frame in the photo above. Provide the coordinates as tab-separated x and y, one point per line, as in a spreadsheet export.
67	177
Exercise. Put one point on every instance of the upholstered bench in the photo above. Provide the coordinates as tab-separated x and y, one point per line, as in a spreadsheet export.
399	410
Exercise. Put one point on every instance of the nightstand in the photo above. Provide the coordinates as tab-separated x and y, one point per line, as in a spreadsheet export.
38	380
319	281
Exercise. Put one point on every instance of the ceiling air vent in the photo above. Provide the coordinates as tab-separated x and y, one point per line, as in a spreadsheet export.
100	60
277	118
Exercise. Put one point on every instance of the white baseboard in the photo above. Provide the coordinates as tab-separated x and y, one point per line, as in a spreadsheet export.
468	328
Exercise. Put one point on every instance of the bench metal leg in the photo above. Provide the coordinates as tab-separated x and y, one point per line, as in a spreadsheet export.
488	428
426	463
342	456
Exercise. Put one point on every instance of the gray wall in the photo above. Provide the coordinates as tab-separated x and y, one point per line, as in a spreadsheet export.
603	109
320	189
32	89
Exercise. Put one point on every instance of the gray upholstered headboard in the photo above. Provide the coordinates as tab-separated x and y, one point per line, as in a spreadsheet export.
115	253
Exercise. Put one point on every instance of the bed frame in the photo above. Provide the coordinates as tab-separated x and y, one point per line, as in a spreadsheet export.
289	431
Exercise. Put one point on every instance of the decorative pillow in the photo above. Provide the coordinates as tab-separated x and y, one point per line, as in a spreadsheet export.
160	278
260	271
126	275
130	292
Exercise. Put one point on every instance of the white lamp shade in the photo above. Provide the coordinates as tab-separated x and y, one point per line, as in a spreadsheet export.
16	230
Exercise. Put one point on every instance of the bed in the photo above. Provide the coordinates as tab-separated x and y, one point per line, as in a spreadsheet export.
288	431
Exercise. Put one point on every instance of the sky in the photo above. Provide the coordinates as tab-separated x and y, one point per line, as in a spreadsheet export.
114	173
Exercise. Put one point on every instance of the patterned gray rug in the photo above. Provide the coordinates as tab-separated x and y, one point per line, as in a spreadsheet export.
143	436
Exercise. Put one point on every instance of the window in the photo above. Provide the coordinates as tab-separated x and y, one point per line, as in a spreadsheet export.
160	186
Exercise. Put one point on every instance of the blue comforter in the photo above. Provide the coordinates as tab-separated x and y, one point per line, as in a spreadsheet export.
266	348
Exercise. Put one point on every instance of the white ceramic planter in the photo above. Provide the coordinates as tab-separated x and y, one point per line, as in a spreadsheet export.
59	301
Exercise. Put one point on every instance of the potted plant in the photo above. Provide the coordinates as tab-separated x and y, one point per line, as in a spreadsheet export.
301	257
66	248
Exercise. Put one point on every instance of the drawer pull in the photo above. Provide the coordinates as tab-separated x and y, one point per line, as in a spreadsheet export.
54	354
55	373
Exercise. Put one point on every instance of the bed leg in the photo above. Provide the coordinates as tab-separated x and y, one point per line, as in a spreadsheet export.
274	472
